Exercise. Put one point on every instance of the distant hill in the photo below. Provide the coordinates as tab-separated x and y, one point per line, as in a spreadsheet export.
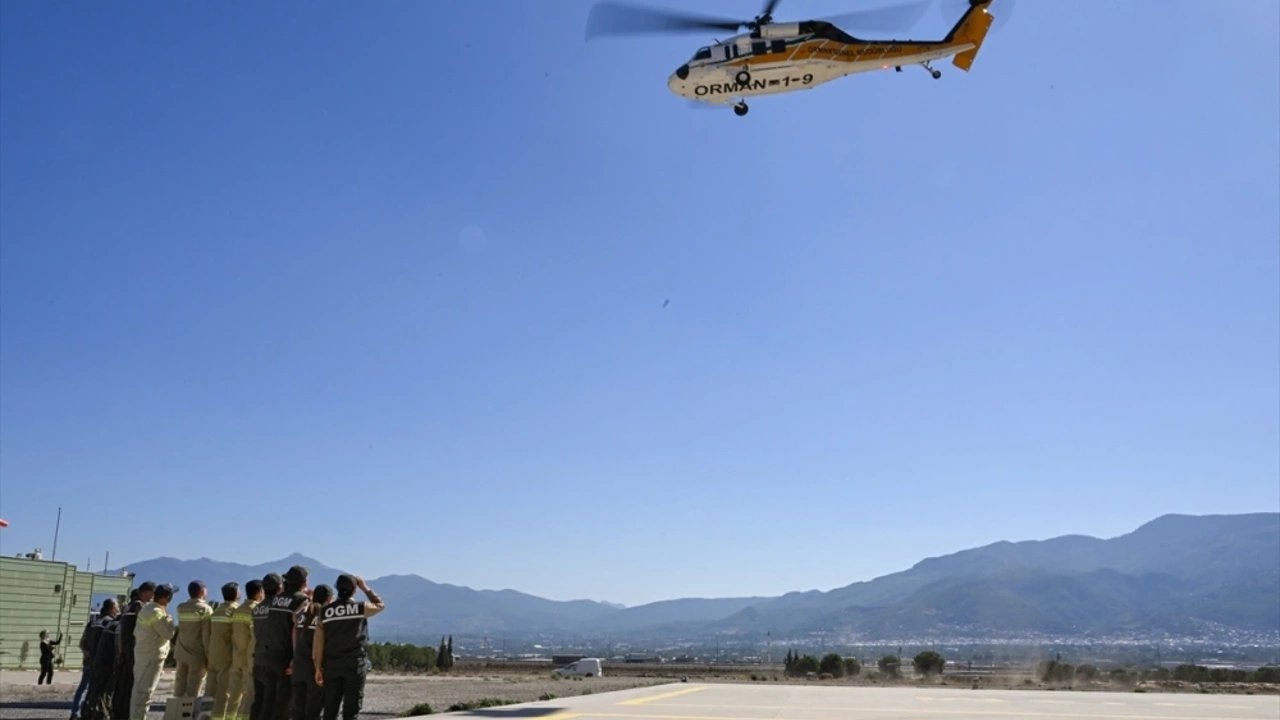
417	608
216	573
1176	575
670	612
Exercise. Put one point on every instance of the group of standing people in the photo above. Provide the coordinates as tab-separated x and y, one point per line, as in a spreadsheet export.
119	661
283	651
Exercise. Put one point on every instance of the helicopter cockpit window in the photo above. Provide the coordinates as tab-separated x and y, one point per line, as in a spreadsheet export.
703	54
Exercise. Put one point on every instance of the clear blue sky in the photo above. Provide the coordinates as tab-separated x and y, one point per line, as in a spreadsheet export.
384	283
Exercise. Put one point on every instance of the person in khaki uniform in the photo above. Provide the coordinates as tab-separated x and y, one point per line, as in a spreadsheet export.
240	684
191	648
152	636
220	647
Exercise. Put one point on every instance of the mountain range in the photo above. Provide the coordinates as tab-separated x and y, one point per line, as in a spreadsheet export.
1178	575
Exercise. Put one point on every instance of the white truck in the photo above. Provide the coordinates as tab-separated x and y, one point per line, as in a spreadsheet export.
586	667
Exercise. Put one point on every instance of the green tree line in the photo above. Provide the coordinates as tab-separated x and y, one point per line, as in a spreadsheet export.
834	666
407	657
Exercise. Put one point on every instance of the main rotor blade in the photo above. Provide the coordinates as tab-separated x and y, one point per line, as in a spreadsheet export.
893	17
769	7
610	18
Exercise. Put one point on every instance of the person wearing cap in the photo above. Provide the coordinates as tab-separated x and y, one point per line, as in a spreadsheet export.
341	652
88	644
308	698
240	695
98	699
123	693
220	647
273	667
191	648
265	684
152	635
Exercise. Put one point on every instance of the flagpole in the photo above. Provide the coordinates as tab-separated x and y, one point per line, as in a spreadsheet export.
56	528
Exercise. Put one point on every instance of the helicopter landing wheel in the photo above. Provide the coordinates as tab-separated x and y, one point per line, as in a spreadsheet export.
743	77
740	109
936	74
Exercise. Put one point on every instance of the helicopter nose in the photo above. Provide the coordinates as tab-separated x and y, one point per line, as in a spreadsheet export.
677	83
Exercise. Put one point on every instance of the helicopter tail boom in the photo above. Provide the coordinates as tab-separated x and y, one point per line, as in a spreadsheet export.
971	30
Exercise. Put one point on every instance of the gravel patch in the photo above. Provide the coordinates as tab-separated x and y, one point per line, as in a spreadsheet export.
391	695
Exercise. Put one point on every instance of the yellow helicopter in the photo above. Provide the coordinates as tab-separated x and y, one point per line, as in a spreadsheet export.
773	57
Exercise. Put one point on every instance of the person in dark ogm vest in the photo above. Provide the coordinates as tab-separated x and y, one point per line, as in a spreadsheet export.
98	699
272	666
264	687
308	698
88	646
341	647
286	610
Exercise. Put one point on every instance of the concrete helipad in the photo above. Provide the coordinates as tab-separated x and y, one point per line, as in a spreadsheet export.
695	701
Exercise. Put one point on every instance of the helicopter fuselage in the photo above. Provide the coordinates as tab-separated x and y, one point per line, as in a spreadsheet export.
783	57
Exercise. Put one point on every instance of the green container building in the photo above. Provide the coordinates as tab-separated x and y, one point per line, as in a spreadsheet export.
47	595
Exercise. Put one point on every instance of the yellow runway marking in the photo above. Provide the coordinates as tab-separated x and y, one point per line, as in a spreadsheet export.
640	716
940	712
1202	705
663	696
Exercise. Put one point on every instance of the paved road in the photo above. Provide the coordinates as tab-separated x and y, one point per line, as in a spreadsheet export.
694	701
